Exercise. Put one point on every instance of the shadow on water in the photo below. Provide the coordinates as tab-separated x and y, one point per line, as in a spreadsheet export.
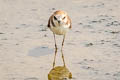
40	51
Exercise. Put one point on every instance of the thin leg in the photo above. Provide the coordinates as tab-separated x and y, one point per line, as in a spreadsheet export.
62	50
55	51
55	41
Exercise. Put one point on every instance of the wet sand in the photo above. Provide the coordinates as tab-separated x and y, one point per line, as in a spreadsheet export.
91	50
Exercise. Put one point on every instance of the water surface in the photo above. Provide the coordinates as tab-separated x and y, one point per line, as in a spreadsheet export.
40	51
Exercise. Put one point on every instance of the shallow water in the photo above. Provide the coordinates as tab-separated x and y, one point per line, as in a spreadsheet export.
40	51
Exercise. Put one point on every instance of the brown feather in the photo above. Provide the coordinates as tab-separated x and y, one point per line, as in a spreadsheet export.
51	20
48	23
69	21
59	12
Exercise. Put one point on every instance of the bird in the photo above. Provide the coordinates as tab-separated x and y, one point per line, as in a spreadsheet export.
59	23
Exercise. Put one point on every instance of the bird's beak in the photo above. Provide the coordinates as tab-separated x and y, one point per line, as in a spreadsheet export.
59	22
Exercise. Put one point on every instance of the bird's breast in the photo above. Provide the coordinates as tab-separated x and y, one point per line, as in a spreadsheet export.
59	30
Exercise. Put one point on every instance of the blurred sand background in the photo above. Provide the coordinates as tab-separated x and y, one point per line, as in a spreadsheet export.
91	50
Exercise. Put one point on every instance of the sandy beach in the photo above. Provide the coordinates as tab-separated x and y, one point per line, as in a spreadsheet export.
92	46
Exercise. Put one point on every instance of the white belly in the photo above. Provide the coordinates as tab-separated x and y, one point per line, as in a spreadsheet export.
59	30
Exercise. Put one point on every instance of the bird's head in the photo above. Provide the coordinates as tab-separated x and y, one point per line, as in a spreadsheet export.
60	17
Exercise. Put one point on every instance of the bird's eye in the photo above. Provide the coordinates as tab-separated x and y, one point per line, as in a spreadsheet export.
55	18
63	17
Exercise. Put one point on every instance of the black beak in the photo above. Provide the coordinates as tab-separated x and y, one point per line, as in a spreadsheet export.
59	22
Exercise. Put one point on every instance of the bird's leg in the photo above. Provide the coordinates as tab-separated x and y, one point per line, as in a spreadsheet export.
62	50
55	51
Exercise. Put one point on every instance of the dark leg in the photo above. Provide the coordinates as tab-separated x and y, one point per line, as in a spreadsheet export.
55	51
62	50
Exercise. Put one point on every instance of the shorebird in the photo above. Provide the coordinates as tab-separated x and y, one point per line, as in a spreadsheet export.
59	23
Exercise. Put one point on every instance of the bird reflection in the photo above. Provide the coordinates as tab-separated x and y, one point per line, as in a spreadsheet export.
59	72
